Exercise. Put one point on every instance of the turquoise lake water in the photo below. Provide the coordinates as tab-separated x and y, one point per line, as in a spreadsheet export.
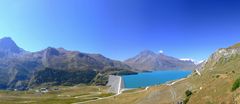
153	78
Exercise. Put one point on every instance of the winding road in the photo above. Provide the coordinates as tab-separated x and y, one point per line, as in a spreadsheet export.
173	92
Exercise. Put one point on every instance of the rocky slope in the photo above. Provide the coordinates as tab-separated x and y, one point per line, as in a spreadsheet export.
149	61
20	69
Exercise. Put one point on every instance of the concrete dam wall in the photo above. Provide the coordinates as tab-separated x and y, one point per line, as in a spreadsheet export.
116	84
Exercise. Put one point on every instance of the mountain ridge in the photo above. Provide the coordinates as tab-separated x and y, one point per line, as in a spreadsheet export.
9	48
20	69
149	61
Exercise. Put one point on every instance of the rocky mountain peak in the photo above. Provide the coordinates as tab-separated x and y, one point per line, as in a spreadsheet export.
9	47
50	51
7	44
147	52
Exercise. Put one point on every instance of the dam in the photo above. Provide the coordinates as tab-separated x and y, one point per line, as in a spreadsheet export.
116	84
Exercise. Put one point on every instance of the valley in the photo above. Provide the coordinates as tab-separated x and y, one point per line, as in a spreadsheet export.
59	76
56	95
119	52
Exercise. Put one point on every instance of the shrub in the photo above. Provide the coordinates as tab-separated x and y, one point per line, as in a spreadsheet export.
188	93
63	77
186	100
236	84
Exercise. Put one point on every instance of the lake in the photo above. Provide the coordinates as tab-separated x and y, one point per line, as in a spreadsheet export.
153	78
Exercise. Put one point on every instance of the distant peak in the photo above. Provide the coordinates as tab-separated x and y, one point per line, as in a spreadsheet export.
51	51
7	45
6	39
147	52
50	48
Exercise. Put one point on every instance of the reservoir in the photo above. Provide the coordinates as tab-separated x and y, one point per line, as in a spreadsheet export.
153	78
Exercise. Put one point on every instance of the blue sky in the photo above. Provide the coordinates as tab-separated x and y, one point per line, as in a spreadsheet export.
120	29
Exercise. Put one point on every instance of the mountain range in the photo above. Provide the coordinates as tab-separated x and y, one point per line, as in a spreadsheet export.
215	81
150	61
20	69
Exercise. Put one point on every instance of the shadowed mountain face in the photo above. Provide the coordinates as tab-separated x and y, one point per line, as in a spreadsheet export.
8	47
55	66
74	60
149	61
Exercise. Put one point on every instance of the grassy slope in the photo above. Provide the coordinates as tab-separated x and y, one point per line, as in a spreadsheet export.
216	82
154	95
66	95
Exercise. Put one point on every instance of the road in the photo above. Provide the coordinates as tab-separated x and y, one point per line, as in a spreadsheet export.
173	92
198	72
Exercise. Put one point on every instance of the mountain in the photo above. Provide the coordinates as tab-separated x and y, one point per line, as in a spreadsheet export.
57	59
149	61
8	47
55	66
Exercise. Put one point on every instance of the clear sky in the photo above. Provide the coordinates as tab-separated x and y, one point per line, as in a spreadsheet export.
120	29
